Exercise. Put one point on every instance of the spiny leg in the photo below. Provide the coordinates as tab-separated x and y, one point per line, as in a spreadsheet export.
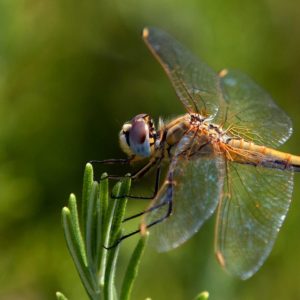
168	201
137	175
156	187
123	237
113	161
123	161
141	173
144	212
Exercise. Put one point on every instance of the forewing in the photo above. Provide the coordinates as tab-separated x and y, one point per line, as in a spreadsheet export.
196	85
254	206
194	184
250	112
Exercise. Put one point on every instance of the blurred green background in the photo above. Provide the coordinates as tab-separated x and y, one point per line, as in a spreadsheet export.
70	74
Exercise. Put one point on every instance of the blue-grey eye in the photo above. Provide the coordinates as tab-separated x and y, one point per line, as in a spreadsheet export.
139	138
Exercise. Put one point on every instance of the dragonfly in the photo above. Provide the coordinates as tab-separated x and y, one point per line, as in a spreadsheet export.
220	155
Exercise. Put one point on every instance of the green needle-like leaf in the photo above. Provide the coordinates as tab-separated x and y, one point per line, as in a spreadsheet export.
120	190
72	205
90	237
103	204
86	191
101	210
109	288
116	211
132	268
76	254
202	296
60	296
112	223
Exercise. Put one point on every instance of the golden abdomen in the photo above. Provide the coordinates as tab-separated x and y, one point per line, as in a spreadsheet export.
247	152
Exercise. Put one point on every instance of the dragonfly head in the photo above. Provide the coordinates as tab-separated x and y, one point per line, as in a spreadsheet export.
137	137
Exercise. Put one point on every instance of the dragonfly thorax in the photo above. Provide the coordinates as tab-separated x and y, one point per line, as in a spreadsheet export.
137	137
197	119
191	125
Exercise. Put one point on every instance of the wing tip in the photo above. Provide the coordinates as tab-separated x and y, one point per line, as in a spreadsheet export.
145	33
220	258
223	73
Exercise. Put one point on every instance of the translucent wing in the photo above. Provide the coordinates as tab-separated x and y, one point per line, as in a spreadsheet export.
250	112
194	184
250	215
196	85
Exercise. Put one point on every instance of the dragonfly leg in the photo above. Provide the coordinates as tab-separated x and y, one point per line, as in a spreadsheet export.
166	216
139	174
123	237
144	212
121	161
113	161
155	206
156	187
168	202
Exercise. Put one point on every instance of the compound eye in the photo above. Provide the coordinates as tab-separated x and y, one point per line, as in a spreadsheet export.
139	138
138	132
